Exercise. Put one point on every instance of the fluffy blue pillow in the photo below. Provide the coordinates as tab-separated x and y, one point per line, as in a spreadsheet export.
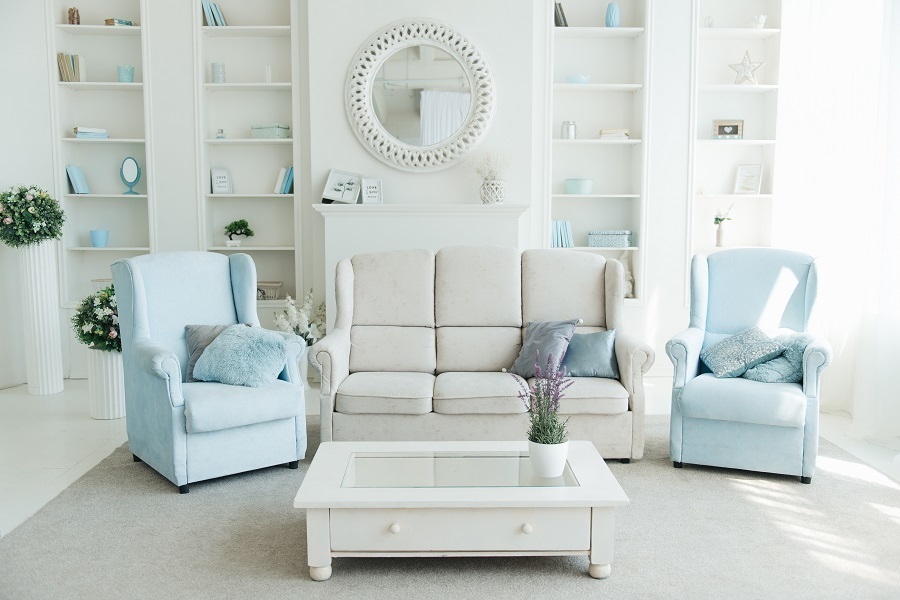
240	355
549	338
787	368
592	355
732	356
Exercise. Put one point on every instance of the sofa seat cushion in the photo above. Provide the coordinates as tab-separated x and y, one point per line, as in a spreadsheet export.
478	393
385	393
744	401
212	406
593	396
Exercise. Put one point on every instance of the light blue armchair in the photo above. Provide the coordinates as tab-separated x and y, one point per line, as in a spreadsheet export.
739	423
194	431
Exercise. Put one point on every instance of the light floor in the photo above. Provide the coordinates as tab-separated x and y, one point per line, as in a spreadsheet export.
47	442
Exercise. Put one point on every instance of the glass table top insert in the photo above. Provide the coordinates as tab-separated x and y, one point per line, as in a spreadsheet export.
447	470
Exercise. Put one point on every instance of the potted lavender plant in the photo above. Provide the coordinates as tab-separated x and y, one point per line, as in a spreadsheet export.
548	443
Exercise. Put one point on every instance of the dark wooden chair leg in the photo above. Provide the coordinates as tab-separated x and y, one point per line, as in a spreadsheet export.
806	480
136	459
625	461
293	464
184	489
677	465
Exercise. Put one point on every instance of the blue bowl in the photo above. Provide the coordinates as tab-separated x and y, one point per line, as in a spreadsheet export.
578	78
579	186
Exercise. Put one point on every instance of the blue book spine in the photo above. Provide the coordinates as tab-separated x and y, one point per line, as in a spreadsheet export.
207	12
220	20
76	178
288	181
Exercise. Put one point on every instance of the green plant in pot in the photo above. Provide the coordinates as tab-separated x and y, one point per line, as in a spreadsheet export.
239	227
28	215
96	323
548	437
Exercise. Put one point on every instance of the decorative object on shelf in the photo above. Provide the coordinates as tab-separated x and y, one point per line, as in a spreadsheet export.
268	290
273	131
568	130
728	129
615	133
578	78
96	324
125	73
474	103
342	187
218	72
719	222
99	238
372	191
490	166
220	134
221	181
758	21
307	324
561	235
708	22
91	133
548	443
213	14
609	238
77	180
73	17
613	15
746	70
748	179
627	275
71	67
118	22
239	227
285	181
579	186
559	16
130	173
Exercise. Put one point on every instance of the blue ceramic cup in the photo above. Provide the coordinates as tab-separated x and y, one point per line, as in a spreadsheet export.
99	238
125	73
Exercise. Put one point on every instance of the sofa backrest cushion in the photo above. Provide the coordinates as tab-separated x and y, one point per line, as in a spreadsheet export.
389	348
477	286
394	288
477	348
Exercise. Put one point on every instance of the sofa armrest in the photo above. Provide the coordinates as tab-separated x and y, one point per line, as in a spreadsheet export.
635	358
295	345
156	362
816	358
684	352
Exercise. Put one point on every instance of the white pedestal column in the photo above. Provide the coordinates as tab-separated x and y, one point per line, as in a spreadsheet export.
106	384
40	302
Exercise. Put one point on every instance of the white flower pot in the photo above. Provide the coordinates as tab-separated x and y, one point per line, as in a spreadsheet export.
106	384
548	460
232	243
720	235
493	191
40	303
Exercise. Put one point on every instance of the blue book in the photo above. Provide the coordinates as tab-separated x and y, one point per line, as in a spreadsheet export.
288	181
207	12
220	20
76	178
567	229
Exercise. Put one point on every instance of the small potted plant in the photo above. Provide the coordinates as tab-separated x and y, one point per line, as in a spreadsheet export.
303	322
96	323
490	167
548	438
719	222
239	227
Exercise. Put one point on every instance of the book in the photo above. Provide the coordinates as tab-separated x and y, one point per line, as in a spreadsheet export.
119	22
89	130
567	235
557	16
217	15
288	182
76	178
562	14
207	12
92	136
279	182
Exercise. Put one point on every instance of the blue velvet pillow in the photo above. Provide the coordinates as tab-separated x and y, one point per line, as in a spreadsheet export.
732	356
787	368
592	355
240	355
543	339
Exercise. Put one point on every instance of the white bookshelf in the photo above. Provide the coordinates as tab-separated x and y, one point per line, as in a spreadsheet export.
617	59
100	100
258	35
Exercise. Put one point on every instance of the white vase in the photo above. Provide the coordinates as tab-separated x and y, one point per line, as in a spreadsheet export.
106	384
720	235
40	303
548	460
493	191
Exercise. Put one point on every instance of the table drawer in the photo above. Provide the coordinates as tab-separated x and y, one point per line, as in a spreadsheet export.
460	530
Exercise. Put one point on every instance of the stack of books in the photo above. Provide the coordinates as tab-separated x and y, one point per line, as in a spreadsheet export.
561	234
613	134
285	182
71	67
559	16
213	14
119	22
91	133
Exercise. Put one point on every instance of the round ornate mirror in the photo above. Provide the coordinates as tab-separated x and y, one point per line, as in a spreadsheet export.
419	95
130	173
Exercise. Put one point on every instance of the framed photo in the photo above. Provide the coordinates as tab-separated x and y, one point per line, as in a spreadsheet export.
221	181
748	179
341	187
728	130
371	191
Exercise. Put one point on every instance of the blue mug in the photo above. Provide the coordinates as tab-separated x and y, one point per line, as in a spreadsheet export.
99	238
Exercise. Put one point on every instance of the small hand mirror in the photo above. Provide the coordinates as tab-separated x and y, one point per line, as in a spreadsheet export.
130	173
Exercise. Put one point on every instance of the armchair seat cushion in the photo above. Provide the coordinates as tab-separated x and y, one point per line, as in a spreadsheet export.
593	396
385	393
478	394
216	406
744	401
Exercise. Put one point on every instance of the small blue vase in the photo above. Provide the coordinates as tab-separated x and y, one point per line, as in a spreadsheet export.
612	14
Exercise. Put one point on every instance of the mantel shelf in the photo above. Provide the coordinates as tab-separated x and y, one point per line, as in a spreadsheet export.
100	29
589	196
597	32
597	87
247	87
247	31
597	142
735	142
737	89
107	86
419	210
737	33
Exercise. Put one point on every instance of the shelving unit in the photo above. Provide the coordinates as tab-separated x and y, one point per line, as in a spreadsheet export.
715	96
617	60
258	35
100	101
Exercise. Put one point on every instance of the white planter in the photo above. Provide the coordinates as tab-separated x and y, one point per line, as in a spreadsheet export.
493	191
40	303
232	243
106	384
548	460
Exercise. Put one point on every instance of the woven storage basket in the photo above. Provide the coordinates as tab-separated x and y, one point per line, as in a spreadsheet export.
609	238
273	131
268	290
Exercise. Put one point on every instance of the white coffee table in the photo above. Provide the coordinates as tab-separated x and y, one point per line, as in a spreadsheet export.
455	499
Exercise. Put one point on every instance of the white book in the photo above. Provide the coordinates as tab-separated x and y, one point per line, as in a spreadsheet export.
89	130
279	183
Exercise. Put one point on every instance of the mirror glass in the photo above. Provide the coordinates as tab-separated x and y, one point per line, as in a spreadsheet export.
421	95
129	170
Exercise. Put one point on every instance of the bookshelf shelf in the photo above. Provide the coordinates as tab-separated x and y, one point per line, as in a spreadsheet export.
102	86
730	88
243	248
593	196
596	142
247	31
604	248
134	30
564	33
109	249
107	196
735	142
250	142
597	87
247	87
72	140
737	33
251	196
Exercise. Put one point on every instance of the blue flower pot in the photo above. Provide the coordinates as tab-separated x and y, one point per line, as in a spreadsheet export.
612	14
99	238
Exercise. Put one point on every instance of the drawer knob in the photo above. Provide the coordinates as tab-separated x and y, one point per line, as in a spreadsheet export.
526	528
395	527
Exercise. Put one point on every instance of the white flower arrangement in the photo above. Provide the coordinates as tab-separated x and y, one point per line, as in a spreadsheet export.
721	217
302	321
490	166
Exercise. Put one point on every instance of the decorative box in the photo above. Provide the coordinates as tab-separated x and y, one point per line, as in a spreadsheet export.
273	131
579	186
609	238
268	290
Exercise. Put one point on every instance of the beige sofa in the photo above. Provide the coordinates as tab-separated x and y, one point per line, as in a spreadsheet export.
420	341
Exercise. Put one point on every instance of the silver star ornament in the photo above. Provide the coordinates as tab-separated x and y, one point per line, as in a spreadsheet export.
746	70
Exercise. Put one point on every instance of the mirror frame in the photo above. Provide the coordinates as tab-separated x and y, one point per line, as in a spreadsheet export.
130	183
373	135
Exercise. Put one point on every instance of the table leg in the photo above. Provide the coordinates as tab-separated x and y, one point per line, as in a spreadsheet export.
599	571
603	528
318	544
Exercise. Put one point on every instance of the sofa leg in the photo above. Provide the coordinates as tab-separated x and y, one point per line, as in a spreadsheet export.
184	489
625	461
293	464
135	458
677	465
806	480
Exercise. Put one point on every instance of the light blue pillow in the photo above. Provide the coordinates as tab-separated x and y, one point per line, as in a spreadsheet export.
732	356
787	368
542	340
241	355
592	355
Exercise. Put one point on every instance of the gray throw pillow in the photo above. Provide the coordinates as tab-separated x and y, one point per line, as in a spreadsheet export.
592	355
543	339
240	355
198	337
732	356
787	368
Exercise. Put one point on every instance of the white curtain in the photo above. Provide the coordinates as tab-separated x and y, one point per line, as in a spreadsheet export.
837	170
442	114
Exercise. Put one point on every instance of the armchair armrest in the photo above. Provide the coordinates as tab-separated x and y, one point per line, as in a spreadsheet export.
331	356
635	358
295	346
816	358
684	352
160	363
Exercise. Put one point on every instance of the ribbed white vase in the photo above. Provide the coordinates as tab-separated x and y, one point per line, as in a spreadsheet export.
106	384
40	303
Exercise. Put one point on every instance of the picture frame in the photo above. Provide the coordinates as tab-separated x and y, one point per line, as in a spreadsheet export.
342	187
728	129
220	178
748	179
371	191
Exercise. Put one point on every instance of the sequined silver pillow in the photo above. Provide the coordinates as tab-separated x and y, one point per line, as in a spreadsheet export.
732	356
